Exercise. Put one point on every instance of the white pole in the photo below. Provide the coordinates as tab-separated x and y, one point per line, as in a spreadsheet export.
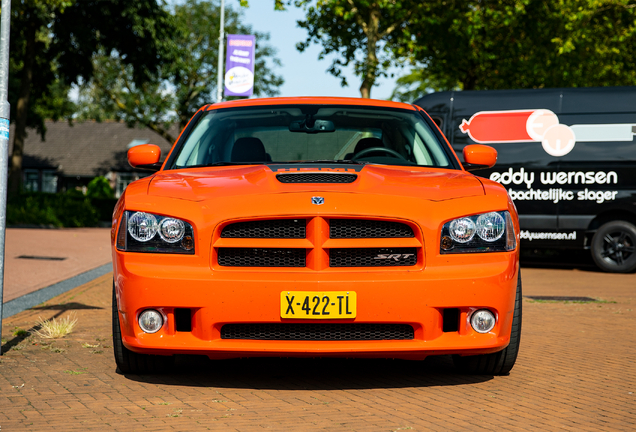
221	72
5	23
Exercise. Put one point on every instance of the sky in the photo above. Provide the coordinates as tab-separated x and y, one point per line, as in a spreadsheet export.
303	73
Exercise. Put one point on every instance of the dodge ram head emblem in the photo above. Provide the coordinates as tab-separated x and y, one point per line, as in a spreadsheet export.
395	257
317	200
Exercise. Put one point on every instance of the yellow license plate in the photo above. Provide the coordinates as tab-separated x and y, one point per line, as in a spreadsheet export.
318	305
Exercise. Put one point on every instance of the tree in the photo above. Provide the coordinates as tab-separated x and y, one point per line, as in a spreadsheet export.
368	33
417	83
52	42
500	44
184	84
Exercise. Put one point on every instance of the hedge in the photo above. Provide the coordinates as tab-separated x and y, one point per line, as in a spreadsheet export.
70	209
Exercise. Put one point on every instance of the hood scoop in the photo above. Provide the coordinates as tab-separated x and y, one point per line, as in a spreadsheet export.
316	177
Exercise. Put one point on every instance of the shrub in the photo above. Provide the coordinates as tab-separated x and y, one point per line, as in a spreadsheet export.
71	209
99	187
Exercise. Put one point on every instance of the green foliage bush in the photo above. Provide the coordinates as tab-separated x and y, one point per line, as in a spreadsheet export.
99	187
71	209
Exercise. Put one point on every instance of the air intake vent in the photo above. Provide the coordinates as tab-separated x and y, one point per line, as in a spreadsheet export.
261	257
372	257
363	228
317	178
278	228
347	332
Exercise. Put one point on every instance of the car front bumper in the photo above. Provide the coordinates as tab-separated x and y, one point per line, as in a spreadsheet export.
390	296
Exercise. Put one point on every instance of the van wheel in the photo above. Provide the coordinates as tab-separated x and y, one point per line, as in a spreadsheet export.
131	362
614	247
501	362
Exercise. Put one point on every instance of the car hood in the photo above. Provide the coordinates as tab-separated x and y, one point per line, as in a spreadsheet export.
200	184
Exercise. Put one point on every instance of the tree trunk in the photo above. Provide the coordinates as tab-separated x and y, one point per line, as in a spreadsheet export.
372	32
15	174
365	89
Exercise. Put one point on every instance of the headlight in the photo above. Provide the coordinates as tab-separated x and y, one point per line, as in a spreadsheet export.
142	226
488	232
147	232
462	230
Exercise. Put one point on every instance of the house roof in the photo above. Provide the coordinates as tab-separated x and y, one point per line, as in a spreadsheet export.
86	148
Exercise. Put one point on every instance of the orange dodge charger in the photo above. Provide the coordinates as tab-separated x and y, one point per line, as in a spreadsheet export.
315	227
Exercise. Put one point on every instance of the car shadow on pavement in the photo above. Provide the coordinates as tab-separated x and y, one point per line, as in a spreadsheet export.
558	259
311	374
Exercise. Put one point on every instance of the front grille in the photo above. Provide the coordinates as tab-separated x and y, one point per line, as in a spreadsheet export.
261	257
346	332
363	228
277	228
317	178
372	257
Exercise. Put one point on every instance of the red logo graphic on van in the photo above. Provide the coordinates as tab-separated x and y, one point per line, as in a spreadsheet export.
498	126
540	125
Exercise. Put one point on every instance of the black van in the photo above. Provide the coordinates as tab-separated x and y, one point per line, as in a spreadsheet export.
566	156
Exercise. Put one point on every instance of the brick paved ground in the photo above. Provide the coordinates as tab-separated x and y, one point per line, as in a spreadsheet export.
82	249
576	371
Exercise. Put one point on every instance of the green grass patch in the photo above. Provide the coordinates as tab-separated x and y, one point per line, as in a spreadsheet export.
20	332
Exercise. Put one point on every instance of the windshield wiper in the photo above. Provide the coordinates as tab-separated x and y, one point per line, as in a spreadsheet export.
220	164
325	161
341	161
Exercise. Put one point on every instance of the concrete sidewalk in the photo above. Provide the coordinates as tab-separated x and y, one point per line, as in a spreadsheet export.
39	258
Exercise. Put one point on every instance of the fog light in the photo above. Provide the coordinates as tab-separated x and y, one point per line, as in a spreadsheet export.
150	321
483	321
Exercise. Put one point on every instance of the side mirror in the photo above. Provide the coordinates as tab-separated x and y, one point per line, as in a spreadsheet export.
145	156
477	156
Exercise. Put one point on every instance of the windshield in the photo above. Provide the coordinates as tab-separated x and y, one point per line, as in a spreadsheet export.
309	133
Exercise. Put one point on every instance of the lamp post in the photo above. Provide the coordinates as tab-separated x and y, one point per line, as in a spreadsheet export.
219	81
5	23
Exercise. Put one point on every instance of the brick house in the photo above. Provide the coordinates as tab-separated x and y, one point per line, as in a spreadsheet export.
71	156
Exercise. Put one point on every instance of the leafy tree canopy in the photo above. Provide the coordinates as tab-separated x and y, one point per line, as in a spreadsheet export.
368	34
182	85
502	44
57	38
52	42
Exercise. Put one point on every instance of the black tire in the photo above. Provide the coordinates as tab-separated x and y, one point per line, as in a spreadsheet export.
614	247
132	362
501	362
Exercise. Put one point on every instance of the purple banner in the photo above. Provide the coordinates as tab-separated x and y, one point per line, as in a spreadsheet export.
239	65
